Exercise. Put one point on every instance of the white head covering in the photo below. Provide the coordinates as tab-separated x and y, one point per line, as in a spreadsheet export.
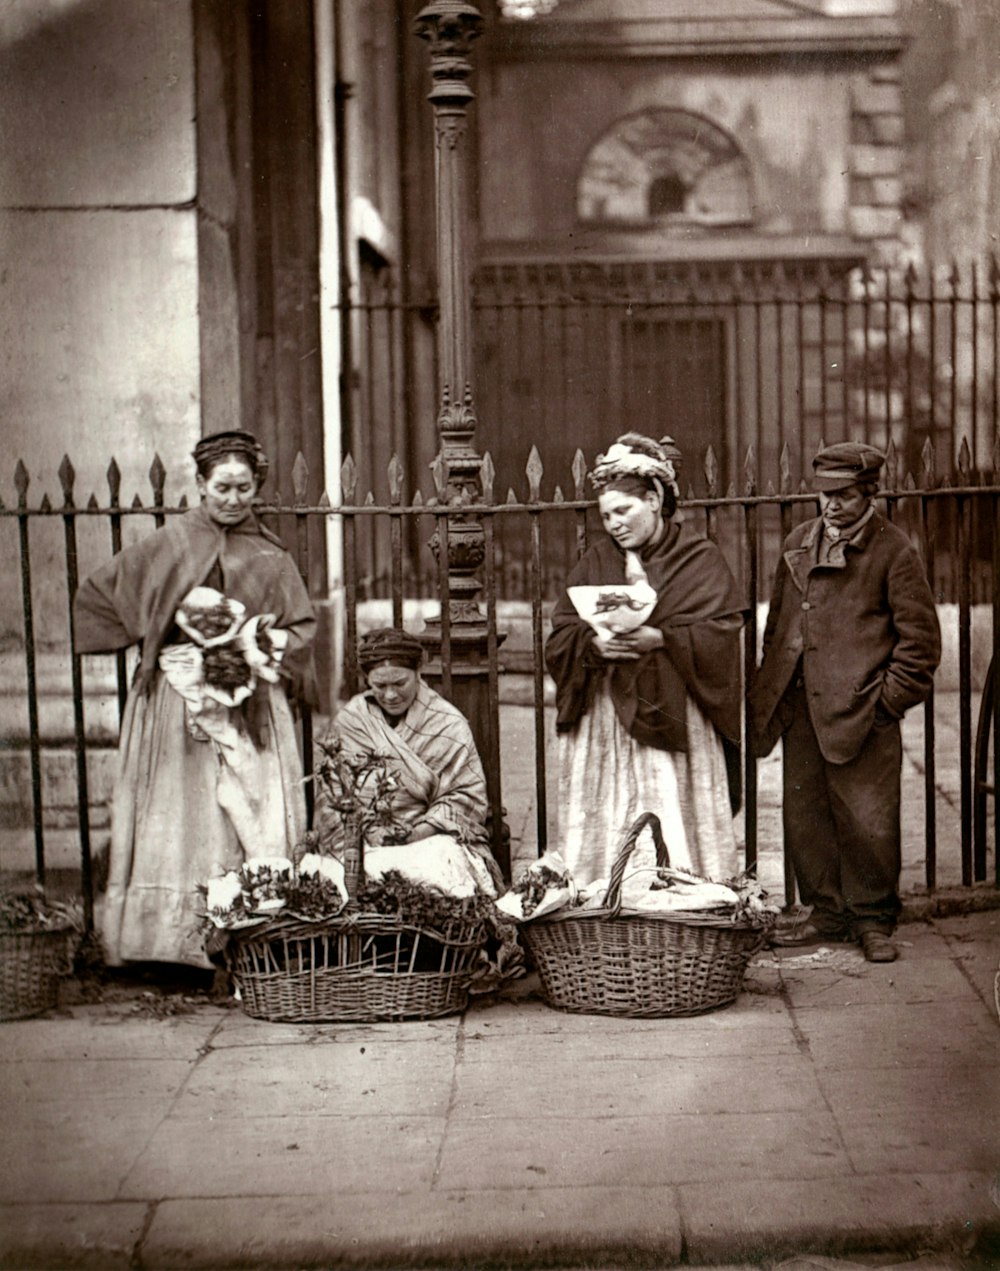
633	455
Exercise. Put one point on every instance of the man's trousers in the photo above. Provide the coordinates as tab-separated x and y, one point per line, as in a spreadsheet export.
841	824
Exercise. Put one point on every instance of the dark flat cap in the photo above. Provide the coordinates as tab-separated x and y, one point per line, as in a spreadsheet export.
846	463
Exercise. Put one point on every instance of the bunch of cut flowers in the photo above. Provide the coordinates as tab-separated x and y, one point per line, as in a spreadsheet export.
360	787
546	886
229	651
541	888
268	887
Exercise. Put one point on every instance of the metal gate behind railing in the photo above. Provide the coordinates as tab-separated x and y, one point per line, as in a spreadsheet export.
773	355
955	522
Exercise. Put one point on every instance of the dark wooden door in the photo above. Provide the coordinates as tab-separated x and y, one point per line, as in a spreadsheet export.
564	376
673	381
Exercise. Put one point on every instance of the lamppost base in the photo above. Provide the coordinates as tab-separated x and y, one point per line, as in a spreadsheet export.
472	693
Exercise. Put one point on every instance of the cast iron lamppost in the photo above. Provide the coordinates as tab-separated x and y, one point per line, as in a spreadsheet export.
449	27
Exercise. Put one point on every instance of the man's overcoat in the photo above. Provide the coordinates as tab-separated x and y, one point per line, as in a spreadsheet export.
866	632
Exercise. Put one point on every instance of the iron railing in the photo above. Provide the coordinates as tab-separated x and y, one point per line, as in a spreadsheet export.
777	356
954	520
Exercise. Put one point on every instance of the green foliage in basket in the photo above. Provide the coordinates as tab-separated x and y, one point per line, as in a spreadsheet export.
255	886
20	911
314	896
263	883
421	905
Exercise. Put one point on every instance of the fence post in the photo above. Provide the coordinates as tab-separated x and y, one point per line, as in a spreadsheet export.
450	27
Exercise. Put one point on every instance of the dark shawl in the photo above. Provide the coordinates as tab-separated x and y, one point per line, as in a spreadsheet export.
133	598
696	600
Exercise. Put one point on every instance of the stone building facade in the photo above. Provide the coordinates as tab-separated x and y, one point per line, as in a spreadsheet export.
721	165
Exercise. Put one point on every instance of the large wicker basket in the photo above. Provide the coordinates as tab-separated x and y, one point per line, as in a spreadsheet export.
360	967
31	965
606	962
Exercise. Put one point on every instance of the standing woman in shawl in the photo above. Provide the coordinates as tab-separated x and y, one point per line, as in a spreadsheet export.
646	717
200	785
442	787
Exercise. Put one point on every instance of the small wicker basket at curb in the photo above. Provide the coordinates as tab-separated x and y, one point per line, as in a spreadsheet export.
606	962
361	967
31	965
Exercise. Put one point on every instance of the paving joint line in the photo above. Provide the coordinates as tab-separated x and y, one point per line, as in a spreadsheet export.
135	1260
452	1100
201	1053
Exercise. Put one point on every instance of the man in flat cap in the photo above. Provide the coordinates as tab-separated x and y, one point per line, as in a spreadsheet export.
851	643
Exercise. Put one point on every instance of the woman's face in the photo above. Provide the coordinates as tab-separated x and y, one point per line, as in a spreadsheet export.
228	491
632	520
394	688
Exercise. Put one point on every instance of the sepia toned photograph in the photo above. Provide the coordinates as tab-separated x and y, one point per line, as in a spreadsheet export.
499	631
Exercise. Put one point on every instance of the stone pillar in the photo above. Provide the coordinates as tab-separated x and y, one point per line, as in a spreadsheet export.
450	27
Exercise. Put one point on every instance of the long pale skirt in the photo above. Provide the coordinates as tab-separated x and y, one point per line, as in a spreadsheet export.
187	807
607	779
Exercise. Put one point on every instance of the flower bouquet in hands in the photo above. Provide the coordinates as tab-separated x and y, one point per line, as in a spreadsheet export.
208	617
228	653
263	646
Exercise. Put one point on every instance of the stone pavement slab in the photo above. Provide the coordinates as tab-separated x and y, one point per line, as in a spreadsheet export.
836	1105
913	1088
74	1150
516	1227
843	978
53	1236
974	945
866	1038
323	1079
904	1212
285	1155
44	1081
591	1087
101	1034
955	1138
543	1152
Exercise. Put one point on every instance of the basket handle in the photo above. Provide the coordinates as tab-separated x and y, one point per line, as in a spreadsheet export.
613	900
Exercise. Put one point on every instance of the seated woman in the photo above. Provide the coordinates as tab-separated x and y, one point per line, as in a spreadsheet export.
646	718
442	787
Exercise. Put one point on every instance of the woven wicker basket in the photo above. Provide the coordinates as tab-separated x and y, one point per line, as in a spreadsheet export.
31	965
606	962
359	967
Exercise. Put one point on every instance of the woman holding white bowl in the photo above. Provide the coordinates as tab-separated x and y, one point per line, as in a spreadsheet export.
649	717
